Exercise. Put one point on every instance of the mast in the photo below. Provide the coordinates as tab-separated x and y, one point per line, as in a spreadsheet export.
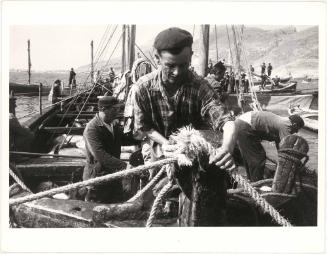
216	42
131	46
123	57
92	64
203	49
29	61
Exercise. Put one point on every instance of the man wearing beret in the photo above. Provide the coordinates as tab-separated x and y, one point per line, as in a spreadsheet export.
172	97
103	139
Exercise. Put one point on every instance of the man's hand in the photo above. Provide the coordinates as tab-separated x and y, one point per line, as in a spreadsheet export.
223	159
169	149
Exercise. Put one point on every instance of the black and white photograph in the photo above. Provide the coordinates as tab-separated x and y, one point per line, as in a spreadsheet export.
200	130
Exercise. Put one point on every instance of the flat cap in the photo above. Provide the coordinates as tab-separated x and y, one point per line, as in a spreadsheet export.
108	101
172	38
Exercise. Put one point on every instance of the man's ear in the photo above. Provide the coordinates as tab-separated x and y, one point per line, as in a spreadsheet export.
157	57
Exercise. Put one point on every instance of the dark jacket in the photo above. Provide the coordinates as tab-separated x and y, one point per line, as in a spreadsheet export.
102	149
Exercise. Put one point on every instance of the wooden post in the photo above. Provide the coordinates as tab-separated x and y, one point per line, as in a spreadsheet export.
204	194
123	55
12	103
238	66
216	43
40	98
131	46
29	61
203	49
92	64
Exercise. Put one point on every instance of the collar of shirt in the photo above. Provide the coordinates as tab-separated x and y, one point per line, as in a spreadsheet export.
110	127
162	85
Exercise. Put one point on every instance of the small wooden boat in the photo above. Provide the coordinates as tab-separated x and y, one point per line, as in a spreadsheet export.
207	195
41	170
289	87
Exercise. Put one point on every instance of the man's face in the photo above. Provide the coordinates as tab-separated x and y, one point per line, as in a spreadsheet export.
108	115
175	67
294	128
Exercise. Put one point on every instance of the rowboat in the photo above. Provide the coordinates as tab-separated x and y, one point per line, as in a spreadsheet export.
289	87
280	80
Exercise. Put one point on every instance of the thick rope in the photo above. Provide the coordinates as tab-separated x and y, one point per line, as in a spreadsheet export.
93	181
156	203
195	143
153	181
261	202
18	181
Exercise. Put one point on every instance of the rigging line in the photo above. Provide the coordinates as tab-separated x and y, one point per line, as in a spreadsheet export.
47	107
111	36
79	113
216	42
72	102
253	93
121	35
231	56
103	39
237	63
104	47
145	56
230	48
152	58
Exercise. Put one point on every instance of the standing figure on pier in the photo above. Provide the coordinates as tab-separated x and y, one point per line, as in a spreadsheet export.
55	92
263	69
72	78
112	75
269	69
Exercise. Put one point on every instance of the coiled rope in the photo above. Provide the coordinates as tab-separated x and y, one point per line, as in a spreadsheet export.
147	187
157	201
190	144
261	202
93	181
18	181
193	141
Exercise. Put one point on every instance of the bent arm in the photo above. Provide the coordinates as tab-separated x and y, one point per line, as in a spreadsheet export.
156	137
229	136
96	148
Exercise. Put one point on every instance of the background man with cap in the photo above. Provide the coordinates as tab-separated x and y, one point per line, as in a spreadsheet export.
253	127
172	97
103	138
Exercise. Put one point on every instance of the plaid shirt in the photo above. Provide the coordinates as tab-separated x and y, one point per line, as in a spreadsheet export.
194	103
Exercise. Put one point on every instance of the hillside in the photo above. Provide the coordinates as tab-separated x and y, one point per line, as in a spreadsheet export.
286	49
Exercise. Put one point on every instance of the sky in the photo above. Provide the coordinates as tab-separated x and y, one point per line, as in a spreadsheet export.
61	47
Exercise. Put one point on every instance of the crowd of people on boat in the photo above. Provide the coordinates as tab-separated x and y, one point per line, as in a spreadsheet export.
161	101
172	96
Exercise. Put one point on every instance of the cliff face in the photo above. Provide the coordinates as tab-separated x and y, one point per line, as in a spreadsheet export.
288	50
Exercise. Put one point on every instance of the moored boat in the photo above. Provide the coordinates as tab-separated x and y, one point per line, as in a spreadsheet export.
53	172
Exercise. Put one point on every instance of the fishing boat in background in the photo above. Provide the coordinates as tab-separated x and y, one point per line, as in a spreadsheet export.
289	87
46	187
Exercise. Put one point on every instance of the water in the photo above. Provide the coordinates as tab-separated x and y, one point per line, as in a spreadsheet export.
27	105
30	104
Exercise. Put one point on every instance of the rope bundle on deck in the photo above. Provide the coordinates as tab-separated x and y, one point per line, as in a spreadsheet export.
190	144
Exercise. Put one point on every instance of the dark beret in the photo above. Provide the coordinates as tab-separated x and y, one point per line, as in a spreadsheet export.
173	38
297	119
108	101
